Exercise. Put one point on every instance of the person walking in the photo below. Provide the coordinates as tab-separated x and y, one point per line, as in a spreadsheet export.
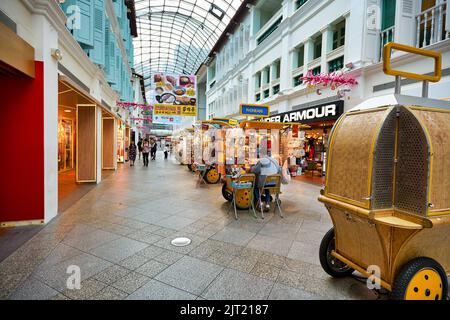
166	151
264	167
145	152
132	153
139	145
154	147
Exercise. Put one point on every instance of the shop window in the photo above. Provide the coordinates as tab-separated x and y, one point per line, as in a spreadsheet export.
276	70
269	31
299	3
266	75
299	57
339	35
276	89
316	71
258	97
258	80
317	47
336	64
266	93
297	80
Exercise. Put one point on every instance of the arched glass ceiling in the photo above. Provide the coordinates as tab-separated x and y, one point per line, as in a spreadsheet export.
177	36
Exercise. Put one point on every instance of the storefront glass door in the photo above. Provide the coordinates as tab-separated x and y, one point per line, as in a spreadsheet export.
65	145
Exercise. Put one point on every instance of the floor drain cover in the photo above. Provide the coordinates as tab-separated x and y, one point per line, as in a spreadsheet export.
181	242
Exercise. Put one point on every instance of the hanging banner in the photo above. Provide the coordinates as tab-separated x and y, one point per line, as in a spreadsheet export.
174	110
171	89
167	119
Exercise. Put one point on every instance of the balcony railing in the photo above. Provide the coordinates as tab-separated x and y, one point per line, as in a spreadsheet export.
386	35
431	25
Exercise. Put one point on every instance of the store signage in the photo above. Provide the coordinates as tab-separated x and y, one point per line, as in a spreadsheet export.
167	119
254	110
174	110
232	122
323	112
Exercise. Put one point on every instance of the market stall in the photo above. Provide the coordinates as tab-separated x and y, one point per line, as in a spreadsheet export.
254	140
208	148
182	146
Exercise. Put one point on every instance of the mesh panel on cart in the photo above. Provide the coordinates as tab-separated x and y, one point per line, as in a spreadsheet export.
383	166
412	166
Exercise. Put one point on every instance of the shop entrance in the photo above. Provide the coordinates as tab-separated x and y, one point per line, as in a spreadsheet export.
315	153
76	144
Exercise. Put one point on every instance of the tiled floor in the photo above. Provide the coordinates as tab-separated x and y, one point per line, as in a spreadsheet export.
119	235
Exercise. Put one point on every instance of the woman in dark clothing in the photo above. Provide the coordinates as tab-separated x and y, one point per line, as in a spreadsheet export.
132	153
153	147
139	145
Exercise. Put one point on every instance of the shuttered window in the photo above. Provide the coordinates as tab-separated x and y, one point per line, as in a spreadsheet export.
97	54
387	14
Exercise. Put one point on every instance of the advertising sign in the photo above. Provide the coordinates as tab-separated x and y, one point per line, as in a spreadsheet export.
167	119
254	110
174	110
178	90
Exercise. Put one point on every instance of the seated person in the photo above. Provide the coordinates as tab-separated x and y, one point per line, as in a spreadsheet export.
264	167
304	164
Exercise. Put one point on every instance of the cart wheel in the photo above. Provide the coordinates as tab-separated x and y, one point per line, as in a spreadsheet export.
227	194
420	279
243	199
212	176
330	264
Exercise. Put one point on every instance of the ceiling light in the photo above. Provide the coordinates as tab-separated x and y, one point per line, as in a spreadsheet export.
67	110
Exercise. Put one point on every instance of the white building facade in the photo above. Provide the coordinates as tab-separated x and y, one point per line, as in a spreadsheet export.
277	42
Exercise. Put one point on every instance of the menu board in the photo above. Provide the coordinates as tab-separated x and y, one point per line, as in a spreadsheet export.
171	89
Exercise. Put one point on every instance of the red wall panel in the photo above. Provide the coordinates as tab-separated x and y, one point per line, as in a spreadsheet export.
22	146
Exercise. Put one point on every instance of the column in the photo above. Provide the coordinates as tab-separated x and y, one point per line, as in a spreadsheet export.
99	140
46	38
308	54
285	62
327	46
347	41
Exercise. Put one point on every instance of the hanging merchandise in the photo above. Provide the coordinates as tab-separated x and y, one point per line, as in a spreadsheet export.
198	145
235	142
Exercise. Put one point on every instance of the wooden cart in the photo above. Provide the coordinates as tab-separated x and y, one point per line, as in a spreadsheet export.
243	197
388	190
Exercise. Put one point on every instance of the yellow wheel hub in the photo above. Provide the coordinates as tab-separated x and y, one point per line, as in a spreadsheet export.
243	198
212	176
425	285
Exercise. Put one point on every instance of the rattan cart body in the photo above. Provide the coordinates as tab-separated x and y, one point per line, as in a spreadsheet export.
387	191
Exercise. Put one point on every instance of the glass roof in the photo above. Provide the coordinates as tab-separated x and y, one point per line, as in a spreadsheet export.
177	36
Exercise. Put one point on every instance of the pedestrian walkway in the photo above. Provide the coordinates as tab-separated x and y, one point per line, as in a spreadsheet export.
119	235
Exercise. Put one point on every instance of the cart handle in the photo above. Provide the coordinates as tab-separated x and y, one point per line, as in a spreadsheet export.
387	50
